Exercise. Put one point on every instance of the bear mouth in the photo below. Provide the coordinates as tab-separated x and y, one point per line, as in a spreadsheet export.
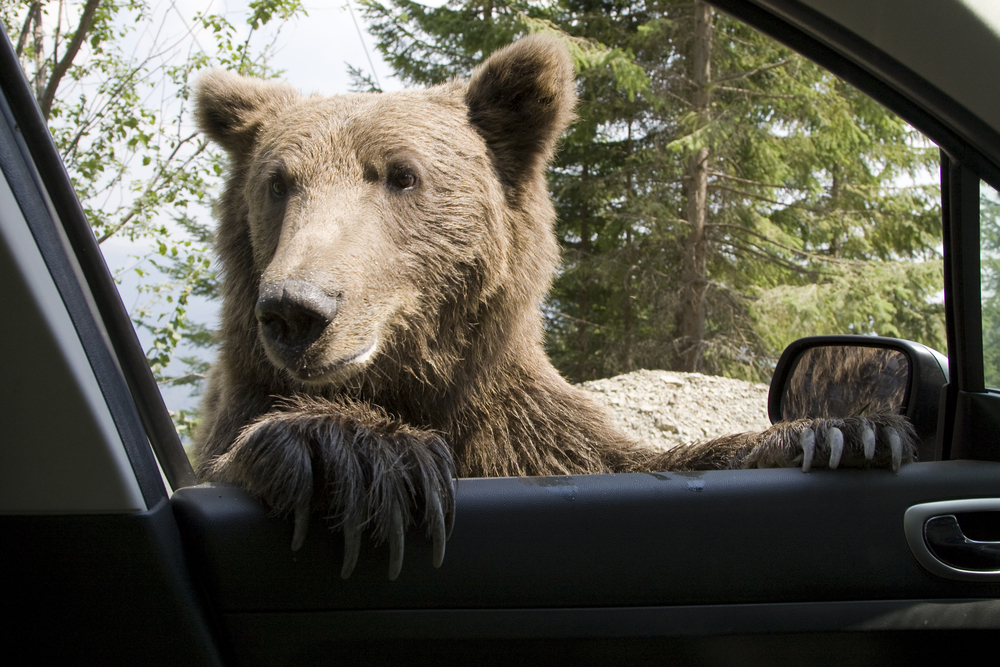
306	373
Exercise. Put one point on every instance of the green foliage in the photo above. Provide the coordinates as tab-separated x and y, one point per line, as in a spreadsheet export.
808	226
120	118
868	298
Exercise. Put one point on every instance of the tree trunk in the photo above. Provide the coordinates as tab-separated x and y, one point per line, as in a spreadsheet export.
584	368
47	94
628	318
628	323
39	48
834	210
690	331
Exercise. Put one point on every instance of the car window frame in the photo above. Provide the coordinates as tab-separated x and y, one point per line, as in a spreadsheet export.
70	249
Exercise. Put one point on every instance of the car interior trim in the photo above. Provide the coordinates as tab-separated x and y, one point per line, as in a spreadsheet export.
144	418
35	476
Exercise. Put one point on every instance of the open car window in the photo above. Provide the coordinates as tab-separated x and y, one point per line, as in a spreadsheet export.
727	566
821	215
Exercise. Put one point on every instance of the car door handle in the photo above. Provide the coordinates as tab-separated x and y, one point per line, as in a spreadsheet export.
938	543
946	540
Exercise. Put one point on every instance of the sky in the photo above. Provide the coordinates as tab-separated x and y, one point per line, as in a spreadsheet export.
315	51
988	12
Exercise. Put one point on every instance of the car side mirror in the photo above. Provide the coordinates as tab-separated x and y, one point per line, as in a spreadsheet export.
841	376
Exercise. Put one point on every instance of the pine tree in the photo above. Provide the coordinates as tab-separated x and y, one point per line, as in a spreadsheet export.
720	195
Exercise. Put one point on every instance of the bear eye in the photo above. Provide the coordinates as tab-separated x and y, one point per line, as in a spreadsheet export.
403	179
278	187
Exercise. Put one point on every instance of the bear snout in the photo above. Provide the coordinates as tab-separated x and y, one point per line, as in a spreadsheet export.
293	314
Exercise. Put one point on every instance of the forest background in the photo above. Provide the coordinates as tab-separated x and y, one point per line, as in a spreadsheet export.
718	197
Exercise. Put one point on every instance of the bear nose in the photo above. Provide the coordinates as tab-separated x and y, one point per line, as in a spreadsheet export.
293	314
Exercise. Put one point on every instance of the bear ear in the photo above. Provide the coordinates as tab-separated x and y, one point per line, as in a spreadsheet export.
520	100
230	108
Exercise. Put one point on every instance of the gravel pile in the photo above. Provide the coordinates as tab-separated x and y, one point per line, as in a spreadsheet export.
665	408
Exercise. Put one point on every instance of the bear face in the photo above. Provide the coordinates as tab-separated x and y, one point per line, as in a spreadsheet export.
381	222
352	219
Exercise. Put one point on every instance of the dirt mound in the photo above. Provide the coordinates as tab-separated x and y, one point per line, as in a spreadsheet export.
666	408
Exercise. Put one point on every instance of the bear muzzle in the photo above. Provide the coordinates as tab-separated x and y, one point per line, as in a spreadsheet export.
293	315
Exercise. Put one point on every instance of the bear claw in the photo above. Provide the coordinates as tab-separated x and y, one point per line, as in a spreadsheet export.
807	440
396	543
438	532
301	525
895	446
352	547
449	518
868	438
835	438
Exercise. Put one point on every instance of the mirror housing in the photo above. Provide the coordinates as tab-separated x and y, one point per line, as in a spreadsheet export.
840	376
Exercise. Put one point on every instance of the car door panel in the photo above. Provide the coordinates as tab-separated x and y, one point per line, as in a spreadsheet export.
658	560
677	635
110	588
719	537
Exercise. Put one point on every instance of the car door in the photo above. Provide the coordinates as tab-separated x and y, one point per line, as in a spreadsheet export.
742	567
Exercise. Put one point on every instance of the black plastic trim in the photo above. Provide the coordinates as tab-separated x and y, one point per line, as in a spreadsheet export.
839	633
963	301
976	430
969	413
29	194
107	589
629	540
952	313
679	621
141	397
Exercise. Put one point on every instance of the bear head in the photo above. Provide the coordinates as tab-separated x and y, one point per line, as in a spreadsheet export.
410	229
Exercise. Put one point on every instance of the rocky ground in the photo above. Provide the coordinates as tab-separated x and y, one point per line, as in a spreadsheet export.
665	408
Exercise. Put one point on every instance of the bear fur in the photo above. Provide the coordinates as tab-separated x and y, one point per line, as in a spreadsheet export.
383	262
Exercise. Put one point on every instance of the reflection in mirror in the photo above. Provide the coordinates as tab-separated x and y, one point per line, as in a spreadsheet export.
846	380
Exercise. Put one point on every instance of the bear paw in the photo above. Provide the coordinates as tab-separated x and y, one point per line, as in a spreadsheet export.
369	472
880	441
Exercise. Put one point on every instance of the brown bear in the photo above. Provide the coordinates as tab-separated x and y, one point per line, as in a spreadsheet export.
383	261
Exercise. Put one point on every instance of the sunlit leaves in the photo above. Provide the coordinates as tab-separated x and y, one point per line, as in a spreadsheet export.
121	120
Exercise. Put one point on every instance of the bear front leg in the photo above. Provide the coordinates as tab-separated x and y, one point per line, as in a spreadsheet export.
368	470
878	441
